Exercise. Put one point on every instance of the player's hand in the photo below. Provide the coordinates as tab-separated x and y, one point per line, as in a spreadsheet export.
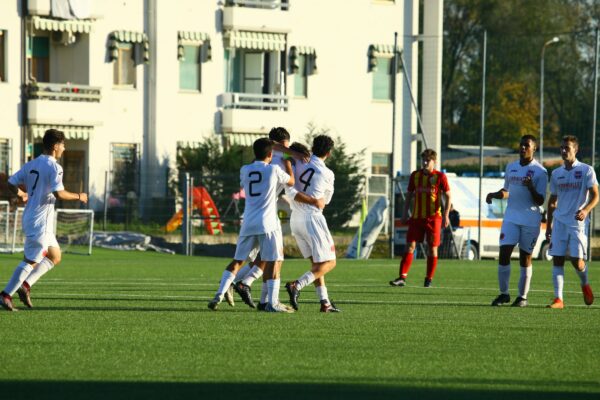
445	221
24	197
488	198
581	215
320	203
528	182
83	197
548	233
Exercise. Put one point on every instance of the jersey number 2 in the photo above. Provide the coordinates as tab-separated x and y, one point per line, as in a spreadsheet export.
306	180
258	179
37	177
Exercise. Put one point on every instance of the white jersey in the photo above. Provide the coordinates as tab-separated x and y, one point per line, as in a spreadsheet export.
41	177
278	160
571	187
260	181
521	209
315	180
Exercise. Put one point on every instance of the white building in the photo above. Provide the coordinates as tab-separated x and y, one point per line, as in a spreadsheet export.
130	80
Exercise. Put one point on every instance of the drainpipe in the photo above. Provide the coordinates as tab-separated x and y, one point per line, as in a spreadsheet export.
24	72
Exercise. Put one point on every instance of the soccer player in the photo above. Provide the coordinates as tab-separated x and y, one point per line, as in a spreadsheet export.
573	195
426	186
260	227
42	177
525	184
309	226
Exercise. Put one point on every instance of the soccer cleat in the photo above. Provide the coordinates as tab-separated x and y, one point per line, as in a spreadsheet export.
520	302
588	296
557	304
398	282
229	296
501	299
261	307
427	282
278	308
328	306
246	294
214	303
6	302
23	293
294	293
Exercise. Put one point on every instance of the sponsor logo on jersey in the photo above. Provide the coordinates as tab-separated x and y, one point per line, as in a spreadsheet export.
530	173
578	174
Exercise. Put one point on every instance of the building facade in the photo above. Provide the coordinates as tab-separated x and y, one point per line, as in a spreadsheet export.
130	81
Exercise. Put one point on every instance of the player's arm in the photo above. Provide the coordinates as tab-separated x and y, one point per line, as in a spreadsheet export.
552	203
447	206
537	198
407	202
592	202
290	172
66	195
15	190
292	153
500	195
304	198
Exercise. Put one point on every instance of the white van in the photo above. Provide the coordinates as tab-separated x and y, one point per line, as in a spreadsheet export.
465	195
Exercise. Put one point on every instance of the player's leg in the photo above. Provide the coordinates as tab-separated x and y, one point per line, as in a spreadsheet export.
578	253
509	237
558	250
433	231
264	292
416	233
326	304
272	252
527	240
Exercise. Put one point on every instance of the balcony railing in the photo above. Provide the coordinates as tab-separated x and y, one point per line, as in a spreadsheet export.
250	101
63	92
264	4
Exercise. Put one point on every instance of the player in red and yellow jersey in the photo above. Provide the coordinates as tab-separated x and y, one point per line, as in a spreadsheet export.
426	186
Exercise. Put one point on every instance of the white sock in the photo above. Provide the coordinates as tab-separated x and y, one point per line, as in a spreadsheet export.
273	285
305	280
322	293
44	266
525	281
18	277
226	280
253	275
503	278
264	292
558	279
583	276
241	274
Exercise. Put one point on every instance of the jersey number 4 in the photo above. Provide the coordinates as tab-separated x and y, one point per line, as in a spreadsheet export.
37	177
257	179
306	179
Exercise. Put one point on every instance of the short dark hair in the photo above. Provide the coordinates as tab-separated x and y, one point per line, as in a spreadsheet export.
429	153
299	147
322	145
51	137
262	148
529	137
571	138
279	134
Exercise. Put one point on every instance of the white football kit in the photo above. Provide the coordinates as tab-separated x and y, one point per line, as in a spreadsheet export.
41	177
571	188
260	226
308	224
522	218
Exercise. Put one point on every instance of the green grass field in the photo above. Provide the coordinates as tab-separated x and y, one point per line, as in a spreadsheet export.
124	325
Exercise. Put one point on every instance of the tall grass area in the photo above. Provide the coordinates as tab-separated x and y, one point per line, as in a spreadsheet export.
125	325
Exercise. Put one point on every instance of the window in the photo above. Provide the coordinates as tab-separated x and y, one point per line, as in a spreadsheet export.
254	72
190	68
40	58
124	65
380	163
5	156
124	168
382	79
300	77
2	56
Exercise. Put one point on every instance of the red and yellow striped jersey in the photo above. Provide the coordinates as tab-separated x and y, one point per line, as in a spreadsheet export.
427	190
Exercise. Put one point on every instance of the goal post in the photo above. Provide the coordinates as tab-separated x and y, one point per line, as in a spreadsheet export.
5	238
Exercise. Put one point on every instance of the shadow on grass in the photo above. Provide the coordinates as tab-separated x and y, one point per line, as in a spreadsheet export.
289	391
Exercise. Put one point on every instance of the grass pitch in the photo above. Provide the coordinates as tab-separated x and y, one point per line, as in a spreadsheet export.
124	325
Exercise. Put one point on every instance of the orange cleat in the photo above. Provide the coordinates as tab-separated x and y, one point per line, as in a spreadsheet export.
588	296
557	303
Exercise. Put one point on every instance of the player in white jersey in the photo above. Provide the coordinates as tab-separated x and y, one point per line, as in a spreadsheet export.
525	184
309	226
42	178
573	195
260	227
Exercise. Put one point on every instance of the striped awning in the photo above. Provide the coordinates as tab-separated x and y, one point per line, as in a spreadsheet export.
196	37
71	131
255	40
188	144
242	139
75	26
305	50
117	37
384	50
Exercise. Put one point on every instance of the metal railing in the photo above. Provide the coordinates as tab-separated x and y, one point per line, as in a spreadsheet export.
63	92
264	4
250	101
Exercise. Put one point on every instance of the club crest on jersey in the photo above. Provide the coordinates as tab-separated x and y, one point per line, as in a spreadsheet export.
578	174
530	173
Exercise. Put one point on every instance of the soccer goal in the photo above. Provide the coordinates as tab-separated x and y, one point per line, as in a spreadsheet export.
5	237
74	230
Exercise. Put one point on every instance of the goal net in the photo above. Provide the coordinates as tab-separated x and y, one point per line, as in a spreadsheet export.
74	230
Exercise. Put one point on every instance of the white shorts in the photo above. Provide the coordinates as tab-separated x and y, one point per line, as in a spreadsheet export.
269	244
313	237
571	238
525	236
36	247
